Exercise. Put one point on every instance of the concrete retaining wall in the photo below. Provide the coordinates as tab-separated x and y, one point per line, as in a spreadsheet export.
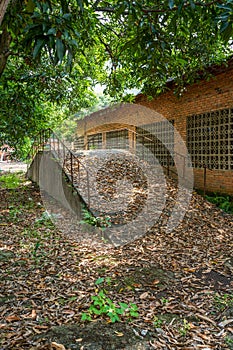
46	171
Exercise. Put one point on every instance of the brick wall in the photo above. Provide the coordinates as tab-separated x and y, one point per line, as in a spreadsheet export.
202	97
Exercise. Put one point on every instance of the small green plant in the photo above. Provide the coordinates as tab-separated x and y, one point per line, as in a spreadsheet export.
90	219
30	233
224	202
102	305
185	328
11	180
38	253
36	248
14	213
157	322
229	342
30	204
106	280
44	220
221	302
43	320
164	301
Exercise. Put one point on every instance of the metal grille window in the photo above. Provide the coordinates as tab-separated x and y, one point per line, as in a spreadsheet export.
210	139
117	139
156	142
79	143
94	141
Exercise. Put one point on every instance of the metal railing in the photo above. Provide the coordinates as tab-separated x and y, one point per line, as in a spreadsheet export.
184	161
167	159
47	140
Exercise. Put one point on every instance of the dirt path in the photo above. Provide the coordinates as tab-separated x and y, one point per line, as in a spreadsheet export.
12	166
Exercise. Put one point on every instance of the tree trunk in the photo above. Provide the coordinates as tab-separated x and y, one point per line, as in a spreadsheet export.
5	40
5	37
3	8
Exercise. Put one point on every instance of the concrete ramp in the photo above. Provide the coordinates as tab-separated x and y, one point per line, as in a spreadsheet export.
123	195
47	172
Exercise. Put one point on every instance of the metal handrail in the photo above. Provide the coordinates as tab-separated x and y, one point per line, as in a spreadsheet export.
185	158
136	133
72	158
64	154
168	155
175	153
38	143
47	138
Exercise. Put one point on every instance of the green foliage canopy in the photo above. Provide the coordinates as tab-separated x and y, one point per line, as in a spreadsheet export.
131	42
53	52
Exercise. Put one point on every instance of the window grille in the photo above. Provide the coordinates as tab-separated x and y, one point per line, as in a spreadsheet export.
155	142
94	141
118	139
210	139
79	143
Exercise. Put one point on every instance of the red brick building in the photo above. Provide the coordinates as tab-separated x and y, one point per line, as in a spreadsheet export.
203	116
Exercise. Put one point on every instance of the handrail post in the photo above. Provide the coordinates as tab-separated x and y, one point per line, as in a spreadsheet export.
184	166
71	168
78	170
64	154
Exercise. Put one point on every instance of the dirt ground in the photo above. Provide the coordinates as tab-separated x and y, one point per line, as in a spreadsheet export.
181	283
6	166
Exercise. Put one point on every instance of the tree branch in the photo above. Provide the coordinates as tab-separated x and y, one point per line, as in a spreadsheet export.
3	7
96	4
146	10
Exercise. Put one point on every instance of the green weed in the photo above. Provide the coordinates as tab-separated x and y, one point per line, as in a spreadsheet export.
101	280
224	202
30	204
11	180
44	221
183	330
164	301
90	219
30	233
229	342
157	322
38	253
14	213
102	305
221	302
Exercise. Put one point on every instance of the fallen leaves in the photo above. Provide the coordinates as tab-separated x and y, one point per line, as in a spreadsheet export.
12	318
144	295
225	322
171	277
57	346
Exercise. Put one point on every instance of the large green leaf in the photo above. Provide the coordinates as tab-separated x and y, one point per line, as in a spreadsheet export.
38	47
60	49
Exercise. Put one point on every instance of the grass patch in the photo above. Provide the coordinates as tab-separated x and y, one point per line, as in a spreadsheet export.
221	302
11	181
